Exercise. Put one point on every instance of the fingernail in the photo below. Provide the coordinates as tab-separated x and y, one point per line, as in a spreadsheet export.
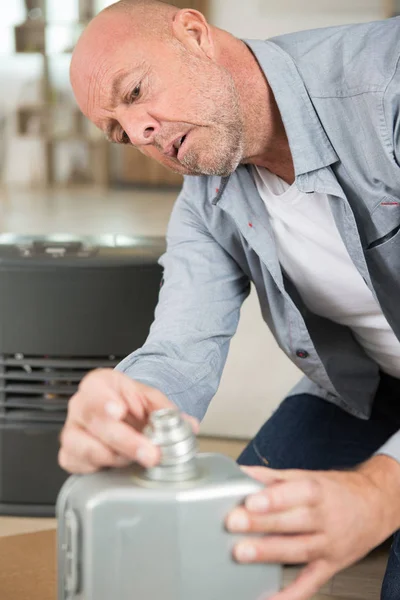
114	410
244	468
238	521
245	552
257	503
146	456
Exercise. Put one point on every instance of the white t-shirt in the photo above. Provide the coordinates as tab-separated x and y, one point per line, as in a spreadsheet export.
313	255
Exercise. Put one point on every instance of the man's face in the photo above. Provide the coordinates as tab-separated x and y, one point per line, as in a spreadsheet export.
174	106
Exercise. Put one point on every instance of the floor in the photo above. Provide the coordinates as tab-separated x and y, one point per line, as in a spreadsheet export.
360	582
86	211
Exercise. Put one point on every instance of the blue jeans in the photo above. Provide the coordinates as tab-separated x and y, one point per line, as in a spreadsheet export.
306	432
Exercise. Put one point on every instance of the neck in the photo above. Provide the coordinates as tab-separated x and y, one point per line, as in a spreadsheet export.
271	150
266	142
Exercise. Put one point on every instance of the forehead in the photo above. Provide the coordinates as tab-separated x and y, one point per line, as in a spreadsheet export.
107	65
100	79
110	67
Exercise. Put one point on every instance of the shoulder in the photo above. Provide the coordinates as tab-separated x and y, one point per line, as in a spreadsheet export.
194	202
345	60
198	192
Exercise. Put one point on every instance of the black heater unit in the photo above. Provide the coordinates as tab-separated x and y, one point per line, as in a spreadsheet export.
67	305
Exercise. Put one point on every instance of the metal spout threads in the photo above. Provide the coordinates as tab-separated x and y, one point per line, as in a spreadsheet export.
168	430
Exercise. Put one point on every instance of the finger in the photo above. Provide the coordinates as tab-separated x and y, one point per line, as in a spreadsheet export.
310	580
267	475
140	398
262	474
105	392
111	393
291	549
282	496
95	397
91	456
297	520
125	441
73	464
193	422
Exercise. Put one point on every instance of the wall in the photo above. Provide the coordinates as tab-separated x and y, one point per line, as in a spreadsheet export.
257	374
266	18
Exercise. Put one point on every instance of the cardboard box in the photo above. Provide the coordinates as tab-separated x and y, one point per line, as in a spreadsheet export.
28	566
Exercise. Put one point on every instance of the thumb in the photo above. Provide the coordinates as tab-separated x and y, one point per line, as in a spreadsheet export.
263	474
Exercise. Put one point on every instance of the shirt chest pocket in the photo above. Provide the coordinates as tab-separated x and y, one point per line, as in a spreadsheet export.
386	219
383	260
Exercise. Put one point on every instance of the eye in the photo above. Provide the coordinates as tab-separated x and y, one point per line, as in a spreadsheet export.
135	93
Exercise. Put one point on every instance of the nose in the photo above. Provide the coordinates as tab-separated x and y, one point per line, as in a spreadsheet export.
140	127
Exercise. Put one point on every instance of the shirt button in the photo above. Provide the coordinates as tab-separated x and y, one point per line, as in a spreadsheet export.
302	353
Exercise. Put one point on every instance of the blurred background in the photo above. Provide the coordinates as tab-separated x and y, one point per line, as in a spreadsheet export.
58	174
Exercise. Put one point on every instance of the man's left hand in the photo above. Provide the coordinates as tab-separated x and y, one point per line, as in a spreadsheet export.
327	520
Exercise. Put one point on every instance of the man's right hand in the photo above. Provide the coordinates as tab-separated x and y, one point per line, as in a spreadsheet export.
105	420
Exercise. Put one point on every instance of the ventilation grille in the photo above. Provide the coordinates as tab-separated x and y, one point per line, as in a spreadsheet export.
38	388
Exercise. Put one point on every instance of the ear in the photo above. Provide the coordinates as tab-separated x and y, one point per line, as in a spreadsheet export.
191	29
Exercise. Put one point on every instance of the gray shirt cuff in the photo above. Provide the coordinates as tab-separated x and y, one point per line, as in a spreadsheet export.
391	447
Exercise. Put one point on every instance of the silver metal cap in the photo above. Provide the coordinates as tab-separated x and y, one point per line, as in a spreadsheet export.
168	430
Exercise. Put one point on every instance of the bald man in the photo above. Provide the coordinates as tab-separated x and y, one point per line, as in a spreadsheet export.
291	150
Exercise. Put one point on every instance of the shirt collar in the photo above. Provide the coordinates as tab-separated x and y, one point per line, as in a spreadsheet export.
310	147
309	144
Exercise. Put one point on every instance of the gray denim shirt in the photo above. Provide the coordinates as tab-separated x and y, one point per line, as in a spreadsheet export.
338	91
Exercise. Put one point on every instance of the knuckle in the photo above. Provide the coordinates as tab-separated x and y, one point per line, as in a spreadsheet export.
270	524
72	403
65	438
93	378
92	455
275	499
107	458
77	407
63	460
307	555
90	420
61	435
309	551
309	518
83	413
314	491
279	523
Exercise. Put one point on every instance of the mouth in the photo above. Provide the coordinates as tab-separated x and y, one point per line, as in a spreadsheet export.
174	150
182	147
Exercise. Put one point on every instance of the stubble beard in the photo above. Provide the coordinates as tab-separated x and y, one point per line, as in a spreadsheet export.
223	147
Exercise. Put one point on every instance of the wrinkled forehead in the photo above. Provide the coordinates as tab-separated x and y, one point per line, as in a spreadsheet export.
98	69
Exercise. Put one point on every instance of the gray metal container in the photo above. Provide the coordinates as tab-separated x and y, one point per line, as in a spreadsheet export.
132	534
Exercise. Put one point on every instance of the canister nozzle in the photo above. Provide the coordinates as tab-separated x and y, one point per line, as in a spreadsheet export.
174	435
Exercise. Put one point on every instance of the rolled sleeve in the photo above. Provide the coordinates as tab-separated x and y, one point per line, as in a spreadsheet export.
391	447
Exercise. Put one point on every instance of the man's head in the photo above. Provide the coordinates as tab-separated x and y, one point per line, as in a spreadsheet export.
152	75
